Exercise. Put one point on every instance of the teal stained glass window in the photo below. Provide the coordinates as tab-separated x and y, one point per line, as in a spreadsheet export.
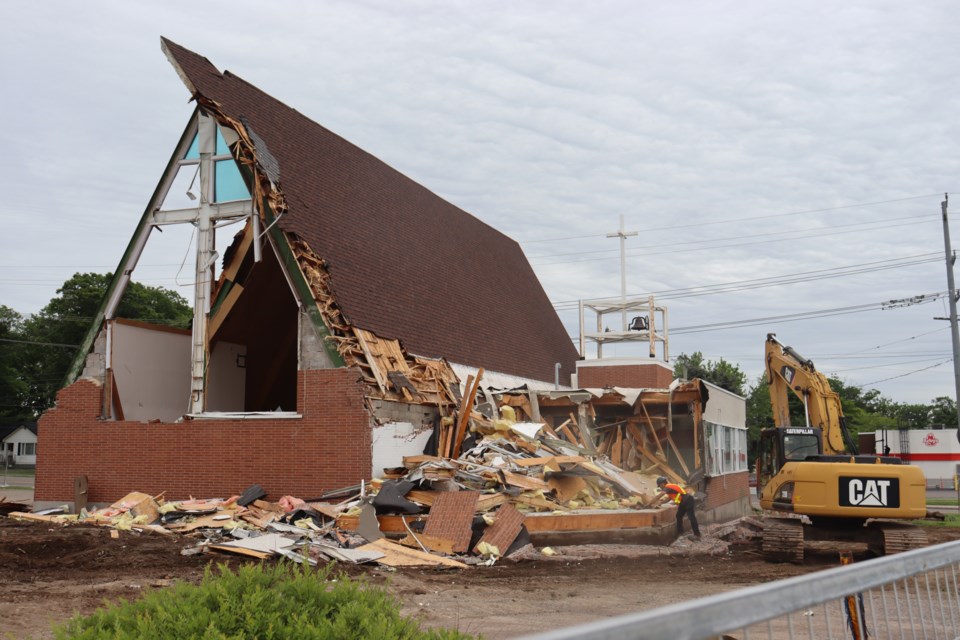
228	184
222	148
193	153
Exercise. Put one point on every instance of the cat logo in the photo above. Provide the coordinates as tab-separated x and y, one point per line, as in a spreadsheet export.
788	373
870	492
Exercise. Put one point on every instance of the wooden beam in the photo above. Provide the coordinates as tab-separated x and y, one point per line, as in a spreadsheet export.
676	451
653	430
663	466
465	410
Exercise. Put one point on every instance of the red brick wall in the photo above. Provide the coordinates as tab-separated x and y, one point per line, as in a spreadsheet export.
727	488
328	448
635	376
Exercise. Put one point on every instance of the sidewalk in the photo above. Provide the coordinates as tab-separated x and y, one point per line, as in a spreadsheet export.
23	491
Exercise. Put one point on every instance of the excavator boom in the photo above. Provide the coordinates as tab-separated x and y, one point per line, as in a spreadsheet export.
788	371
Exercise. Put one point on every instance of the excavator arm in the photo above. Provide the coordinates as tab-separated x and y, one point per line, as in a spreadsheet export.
788	370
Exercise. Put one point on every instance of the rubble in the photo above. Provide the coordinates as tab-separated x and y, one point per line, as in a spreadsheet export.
494	477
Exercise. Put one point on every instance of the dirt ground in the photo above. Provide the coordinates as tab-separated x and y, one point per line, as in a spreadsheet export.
52	573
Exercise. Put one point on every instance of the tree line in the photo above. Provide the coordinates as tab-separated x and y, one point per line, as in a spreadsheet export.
865	410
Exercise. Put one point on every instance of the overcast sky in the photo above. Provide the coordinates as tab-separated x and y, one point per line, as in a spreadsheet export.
808	144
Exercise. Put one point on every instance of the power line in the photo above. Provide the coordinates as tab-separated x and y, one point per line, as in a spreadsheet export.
756	235
886	364
724	246
44	344
791	278
733	324
763	217
887	344
909	373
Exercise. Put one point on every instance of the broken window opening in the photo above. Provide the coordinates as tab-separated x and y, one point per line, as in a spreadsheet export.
254	337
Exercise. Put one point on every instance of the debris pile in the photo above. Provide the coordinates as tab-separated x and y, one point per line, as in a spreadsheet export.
434	510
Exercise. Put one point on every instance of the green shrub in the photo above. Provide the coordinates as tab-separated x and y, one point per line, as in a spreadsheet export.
262	602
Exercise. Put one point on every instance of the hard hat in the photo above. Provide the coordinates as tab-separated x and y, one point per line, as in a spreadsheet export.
661	480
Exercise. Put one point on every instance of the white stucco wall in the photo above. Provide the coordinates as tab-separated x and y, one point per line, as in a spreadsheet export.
394	440
724	407
935	451
152	371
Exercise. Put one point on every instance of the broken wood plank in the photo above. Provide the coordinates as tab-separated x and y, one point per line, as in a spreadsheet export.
598	520
532	462
539	503
566	488
364	338
22	515
616	453
490	500
522	481
395	555
464	416
420	540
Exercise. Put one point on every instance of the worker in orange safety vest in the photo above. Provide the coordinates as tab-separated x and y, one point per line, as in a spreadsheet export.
686	504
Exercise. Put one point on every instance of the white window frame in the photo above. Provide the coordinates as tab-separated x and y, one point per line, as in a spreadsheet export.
726	449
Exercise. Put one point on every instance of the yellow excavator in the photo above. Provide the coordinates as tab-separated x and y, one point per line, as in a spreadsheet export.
811	482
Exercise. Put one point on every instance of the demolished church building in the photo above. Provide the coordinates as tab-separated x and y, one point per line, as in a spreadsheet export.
351	314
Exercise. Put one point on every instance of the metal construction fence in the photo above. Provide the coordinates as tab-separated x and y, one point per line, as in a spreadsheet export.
913	595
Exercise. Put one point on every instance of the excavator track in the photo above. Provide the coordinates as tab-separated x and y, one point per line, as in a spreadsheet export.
783	540
896	537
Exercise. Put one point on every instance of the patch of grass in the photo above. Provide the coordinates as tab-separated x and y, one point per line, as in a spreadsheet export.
19	473
944	502
14	486
258	601
951	520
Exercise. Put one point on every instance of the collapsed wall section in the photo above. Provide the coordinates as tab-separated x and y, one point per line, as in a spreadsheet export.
326	447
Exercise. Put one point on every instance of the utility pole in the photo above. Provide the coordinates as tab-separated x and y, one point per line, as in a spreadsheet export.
622	234
952	293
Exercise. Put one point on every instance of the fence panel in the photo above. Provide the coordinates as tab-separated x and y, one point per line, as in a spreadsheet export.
913	595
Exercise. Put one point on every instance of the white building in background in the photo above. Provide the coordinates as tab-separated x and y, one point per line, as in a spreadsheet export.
936	451
18	444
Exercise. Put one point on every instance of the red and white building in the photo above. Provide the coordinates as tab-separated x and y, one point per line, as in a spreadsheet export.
936	451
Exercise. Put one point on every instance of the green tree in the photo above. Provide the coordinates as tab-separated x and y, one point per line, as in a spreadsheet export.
943	411
721	373
12	386
912	416
60	327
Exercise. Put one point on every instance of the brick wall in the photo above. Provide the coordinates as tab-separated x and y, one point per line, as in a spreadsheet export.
727	488
327	448
635	376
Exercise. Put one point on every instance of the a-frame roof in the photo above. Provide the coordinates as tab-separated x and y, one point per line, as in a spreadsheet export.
403	262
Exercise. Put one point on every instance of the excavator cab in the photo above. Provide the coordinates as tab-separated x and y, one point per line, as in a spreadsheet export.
779	445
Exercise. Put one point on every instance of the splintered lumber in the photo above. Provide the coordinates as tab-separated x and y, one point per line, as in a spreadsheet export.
592	520
615	453
566	488
537	502
422	540
395	555
20	515
490	500
524	482
547	460
464	416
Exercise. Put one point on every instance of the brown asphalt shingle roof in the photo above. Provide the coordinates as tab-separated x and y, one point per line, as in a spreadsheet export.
403	262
